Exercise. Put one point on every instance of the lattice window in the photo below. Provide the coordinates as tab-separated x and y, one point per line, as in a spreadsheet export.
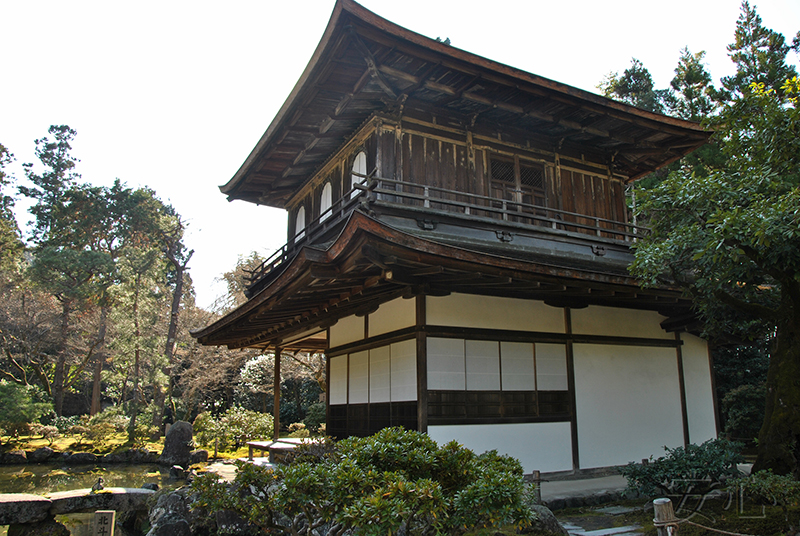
503	171
531	176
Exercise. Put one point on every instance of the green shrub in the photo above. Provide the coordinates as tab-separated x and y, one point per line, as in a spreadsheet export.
744	408
694	469
48	432
396	481
768	488
315	416
234	428
20	405
114	417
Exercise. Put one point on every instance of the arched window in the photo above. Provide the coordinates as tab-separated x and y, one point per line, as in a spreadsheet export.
359	169
325	201
300	223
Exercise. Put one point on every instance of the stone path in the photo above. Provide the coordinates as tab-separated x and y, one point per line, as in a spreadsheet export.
600	524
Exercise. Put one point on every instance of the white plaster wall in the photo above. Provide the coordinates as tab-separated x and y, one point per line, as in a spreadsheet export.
349	329
404	370
612	321
466	310
699	393
359	378
627	403
393	315
542	446
337	382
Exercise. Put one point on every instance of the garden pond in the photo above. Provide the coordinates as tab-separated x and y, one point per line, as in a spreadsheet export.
41	479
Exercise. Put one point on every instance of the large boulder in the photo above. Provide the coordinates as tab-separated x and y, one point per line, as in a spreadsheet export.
545	523
41	455
21	508
81	458
49	527
172	516
198	456
15	457
177	445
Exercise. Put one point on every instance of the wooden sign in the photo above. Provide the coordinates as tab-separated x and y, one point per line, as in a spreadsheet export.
104	523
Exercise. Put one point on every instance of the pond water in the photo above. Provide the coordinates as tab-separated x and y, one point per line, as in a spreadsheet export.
46	478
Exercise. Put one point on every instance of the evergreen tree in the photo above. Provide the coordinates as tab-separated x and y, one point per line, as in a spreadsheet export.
634	87
759	54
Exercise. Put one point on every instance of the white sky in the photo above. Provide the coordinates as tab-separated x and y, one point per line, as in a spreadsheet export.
174	94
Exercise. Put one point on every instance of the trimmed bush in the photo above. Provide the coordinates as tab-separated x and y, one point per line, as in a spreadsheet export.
695	469
394	482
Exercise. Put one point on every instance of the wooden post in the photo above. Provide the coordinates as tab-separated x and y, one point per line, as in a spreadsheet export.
104	523
276	386
664	518
537	490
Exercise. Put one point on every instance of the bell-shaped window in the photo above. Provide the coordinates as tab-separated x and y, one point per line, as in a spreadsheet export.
325	201
300	223
359	172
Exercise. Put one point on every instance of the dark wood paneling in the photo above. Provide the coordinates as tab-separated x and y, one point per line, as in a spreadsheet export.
362	420
497	407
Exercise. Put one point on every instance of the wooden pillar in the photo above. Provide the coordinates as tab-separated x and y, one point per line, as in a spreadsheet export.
276	385
682	387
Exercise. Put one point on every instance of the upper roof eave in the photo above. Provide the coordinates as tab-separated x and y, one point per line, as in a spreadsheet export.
346	12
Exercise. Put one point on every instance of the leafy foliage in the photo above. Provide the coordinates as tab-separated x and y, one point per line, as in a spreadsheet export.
744	411
769	488
234	428
20	405
683	470
394	482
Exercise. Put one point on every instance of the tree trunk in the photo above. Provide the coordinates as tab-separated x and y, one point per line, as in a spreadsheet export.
99	360
172	332
779	438
136	355
60	373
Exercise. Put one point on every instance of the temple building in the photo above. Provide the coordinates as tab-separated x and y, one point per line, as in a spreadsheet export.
458	246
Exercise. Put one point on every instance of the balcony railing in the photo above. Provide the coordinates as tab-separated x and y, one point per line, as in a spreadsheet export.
394	193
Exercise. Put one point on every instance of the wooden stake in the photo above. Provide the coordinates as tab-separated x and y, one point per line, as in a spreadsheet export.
664	520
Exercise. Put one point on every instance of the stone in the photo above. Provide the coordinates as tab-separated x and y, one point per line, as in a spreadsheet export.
15	457
198	456
229	522
81	458
49	527
40	455
177	445
84	500
176	472
172	527
20	508
150	485
545	523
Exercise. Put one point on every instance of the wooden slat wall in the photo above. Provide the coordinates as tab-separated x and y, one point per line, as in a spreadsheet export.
425	155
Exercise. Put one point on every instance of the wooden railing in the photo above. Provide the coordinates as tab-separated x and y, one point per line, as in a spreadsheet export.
433	198
389	192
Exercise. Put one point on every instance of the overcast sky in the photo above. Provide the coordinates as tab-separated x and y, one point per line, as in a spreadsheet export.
174	95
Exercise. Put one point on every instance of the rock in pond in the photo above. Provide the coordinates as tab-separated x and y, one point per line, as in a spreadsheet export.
177	445
15	457
40	455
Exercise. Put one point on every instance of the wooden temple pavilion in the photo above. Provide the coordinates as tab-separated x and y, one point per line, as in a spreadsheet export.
457	246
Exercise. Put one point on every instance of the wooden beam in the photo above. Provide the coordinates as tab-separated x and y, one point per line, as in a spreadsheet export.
371	64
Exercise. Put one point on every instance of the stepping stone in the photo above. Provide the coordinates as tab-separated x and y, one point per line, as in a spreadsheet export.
616	510
616	531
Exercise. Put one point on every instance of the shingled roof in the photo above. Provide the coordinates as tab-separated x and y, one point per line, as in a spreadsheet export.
365	64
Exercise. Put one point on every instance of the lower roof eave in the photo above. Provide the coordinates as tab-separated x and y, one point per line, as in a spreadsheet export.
371	263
